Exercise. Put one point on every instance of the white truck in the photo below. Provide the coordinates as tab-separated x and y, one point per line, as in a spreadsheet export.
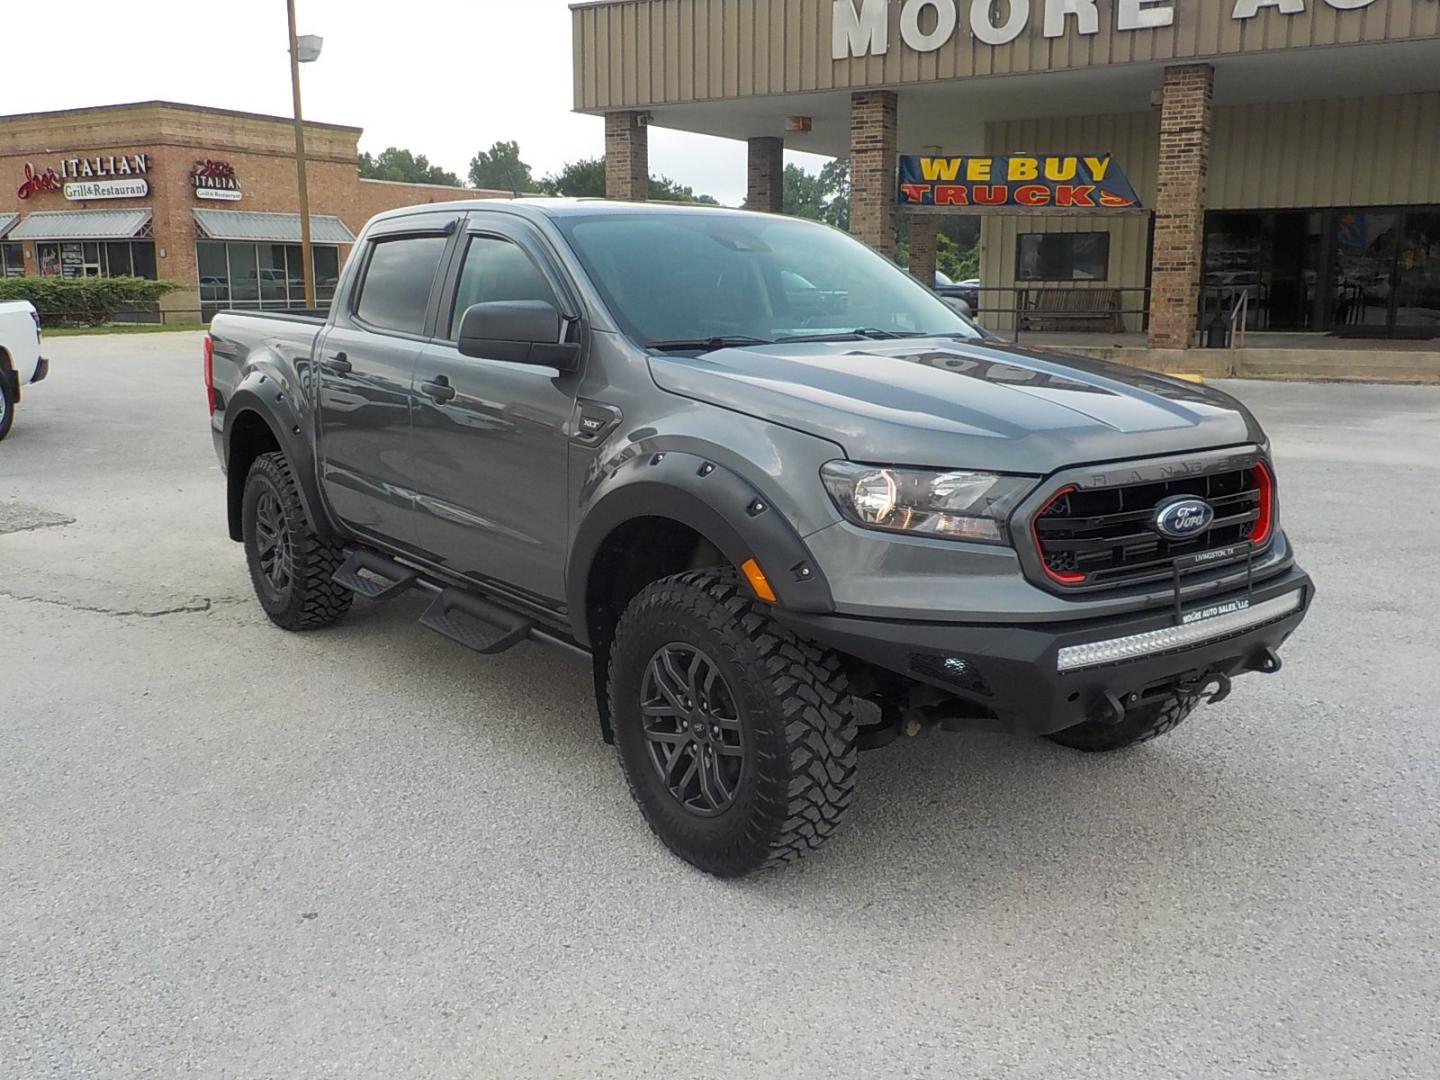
20	359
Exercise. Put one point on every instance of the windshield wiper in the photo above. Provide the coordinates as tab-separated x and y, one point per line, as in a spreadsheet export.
865	333
707	344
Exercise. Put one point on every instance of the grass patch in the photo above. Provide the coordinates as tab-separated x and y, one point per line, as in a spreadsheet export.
137	328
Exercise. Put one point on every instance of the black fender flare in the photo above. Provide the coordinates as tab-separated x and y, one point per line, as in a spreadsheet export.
274	401
714	501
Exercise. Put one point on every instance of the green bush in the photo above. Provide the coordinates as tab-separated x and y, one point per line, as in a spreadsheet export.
92	301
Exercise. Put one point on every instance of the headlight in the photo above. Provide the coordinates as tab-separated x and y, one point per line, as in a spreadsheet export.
952	505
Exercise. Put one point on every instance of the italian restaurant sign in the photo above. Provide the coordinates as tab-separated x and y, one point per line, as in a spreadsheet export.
215	180
1066	183
110	176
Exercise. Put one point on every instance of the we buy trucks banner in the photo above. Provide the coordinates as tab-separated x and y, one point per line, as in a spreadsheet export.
1024	182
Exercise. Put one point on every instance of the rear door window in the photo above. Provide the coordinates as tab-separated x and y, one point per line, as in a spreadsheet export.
398	280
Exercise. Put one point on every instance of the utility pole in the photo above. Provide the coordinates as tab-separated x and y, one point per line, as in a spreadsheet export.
309	267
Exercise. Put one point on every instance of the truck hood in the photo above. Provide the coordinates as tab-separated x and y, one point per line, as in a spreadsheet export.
951	403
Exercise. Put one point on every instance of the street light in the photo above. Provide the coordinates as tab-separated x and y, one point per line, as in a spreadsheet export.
303	50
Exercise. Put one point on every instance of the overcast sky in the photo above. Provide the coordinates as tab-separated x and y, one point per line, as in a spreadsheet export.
440	77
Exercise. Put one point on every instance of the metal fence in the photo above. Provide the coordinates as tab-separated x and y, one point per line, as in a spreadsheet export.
1021	309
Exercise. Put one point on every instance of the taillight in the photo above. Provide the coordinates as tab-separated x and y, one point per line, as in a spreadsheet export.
36	316
210	372
1265	523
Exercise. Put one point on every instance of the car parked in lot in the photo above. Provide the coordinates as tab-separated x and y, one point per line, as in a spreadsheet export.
967	291
20	361
785	502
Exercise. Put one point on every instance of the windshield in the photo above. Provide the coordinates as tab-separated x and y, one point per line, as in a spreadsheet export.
702	276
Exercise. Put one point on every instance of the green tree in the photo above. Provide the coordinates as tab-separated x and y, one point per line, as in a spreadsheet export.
585	179
577	180
822	196
663	189
500	169
393	163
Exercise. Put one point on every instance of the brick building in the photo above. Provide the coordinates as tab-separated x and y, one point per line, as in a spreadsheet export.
205	197
1285	150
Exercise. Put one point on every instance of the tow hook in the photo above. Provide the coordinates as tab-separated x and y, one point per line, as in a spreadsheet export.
1267	661
1202	685
1109	709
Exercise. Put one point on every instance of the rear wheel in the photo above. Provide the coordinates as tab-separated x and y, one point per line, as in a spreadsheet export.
1141	724
736	737
290	566
7	401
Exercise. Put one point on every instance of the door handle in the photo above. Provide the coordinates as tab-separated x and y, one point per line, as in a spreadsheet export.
438	390
339	364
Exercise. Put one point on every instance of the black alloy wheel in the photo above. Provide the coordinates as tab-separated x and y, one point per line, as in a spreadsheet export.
737	739
272	542
692	728
291	566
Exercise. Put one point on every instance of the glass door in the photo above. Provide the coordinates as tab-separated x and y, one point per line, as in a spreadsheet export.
1362	281
1417	275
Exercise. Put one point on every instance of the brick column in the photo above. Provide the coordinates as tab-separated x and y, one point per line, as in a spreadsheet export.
765	189
627	157
1185	123
873	152
924	243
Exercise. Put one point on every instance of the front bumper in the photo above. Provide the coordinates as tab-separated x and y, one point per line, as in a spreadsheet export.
1014	672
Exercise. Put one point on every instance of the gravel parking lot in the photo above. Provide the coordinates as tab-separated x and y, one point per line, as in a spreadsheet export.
226	851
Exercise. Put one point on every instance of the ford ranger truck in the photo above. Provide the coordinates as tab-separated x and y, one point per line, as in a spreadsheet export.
20	359
786	502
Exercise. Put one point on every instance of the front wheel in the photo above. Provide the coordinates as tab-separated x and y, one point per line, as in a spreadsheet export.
736	738
290	566
1141	724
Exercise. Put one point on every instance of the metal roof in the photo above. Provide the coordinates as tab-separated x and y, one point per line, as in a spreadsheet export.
270	228
82	225
7	222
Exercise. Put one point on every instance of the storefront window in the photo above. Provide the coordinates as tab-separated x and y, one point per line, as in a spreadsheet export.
1275	256
94	258
265	276
12	260
1063	257
1366	272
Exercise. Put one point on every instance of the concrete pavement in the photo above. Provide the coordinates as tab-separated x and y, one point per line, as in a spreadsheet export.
228	851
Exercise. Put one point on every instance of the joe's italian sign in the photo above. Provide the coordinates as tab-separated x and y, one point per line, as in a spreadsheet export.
1064	183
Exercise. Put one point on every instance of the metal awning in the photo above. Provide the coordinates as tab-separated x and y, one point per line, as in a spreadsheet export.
83	225
7	222
269	228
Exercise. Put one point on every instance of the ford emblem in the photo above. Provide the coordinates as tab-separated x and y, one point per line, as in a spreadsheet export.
1181	519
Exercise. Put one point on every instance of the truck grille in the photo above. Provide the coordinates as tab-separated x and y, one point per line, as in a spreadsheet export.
1095	537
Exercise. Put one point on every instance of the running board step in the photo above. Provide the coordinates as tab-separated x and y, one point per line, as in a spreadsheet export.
477	624
382	578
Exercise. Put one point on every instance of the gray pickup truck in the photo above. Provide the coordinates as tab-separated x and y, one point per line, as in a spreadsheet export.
785	501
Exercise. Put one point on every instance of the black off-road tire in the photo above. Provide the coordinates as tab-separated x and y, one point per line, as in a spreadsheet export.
1142	724
7	400
307	599
798	765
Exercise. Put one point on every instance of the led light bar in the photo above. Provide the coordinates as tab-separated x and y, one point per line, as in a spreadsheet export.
1200	627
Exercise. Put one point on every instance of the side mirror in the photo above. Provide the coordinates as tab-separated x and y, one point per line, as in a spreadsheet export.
519	331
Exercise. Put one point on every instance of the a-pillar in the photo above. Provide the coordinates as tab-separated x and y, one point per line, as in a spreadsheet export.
627	156
873	150
924	245
765	186
1186	113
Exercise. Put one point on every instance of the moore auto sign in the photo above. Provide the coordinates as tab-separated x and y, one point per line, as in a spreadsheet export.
862	27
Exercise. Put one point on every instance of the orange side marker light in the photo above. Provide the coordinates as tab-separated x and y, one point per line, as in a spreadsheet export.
757	580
